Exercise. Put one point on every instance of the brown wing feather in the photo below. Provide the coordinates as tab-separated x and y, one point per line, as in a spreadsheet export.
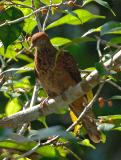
70	66
78	105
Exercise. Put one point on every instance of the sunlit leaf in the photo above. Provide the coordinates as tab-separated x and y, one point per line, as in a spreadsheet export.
76	17
87	143
23	83
85	2
111	28
42	119
25	57
46	151
113	117
12	107
30	23
60	41
103	137
26	68
117	129
48	1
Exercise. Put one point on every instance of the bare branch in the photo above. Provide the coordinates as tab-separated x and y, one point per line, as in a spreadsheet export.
29	152
98	49
114	84
47	16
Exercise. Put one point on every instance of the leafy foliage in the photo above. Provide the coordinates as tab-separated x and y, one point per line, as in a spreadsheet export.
71	25
12	31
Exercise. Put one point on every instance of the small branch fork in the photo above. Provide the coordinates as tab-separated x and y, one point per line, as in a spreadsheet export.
47	15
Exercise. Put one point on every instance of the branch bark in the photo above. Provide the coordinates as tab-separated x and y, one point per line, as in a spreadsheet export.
53	105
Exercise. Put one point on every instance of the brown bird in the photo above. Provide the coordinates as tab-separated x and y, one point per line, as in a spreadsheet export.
57	71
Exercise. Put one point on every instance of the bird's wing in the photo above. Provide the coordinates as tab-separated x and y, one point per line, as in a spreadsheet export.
70	66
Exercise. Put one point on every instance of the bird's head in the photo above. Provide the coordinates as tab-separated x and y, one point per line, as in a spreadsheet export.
40	40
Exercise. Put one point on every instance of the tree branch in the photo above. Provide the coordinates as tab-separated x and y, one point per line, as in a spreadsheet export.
53	105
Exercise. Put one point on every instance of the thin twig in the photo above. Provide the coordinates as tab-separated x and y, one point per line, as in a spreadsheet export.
86	109
74	155
25	125
114	84
33	100
28	152
15	69
98	49
37	17
34	96
47	16
2	62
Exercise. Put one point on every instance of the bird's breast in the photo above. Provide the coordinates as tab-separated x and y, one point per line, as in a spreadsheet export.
52	76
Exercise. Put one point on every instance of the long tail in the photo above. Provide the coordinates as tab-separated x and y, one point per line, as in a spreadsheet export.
88	120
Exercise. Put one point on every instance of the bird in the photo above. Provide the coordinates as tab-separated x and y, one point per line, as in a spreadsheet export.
57	70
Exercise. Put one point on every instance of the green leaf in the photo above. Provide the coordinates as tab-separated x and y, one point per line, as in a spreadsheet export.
116	40
113	117
85	2
10	53
48	1
76	17
87	143
25	58
30	23
42	119
101	2
12	107
92	31
46	151
12	31
60	41
115	97
111	28
100	68
106	5
103	137
51	131
117	129
82	39
23	83
26	68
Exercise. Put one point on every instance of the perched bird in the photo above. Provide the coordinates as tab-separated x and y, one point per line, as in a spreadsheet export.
57	71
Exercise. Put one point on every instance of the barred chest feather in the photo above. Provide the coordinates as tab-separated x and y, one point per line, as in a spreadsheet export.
52	74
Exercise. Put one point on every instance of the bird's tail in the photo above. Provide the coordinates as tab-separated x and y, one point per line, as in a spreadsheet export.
88	120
